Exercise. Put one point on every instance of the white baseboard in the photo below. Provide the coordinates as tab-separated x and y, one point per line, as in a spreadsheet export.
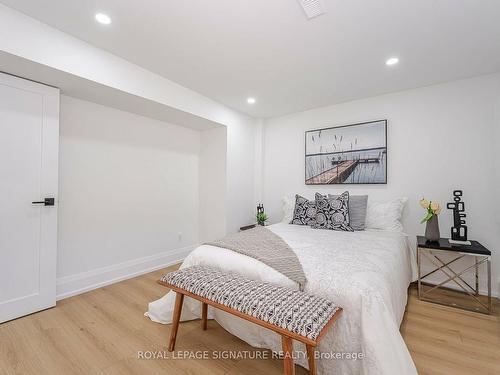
72	285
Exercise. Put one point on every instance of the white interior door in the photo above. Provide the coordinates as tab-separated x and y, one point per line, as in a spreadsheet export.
29	143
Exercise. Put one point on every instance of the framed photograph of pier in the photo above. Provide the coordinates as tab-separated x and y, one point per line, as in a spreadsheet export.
350	154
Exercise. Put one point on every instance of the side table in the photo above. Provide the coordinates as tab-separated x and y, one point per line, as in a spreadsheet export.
433	252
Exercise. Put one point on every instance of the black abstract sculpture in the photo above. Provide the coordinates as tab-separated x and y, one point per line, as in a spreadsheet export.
459	229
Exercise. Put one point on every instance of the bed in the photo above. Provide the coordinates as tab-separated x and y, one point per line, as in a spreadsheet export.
365	272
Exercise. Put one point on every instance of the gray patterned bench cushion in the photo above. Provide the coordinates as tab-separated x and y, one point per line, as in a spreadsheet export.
293	310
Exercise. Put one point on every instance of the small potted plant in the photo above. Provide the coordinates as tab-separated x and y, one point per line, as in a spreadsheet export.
261	218
431	219
261	215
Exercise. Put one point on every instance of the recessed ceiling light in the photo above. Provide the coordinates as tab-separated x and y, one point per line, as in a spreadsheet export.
392	61
103	18
251	100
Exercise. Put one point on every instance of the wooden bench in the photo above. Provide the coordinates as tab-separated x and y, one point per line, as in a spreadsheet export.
293	314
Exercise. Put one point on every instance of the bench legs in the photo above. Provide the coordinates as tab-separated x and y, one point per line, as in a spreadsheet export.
289	367
287	345
179	298
311	359
286	342
204	313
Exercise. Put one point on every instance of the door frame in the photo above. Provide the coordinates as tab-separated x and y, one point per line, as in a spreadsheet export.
49	186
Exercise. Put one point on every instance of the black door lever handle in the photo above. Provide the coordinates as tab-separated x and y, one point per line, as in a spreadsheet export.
45	202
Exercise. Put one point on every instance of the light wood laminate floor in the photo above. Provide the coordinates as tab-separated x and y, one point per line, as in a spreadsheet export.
102	331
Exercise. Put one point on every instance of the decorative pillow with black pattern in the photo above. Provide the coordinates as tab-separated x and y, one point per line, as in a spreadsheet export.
333	213
304	212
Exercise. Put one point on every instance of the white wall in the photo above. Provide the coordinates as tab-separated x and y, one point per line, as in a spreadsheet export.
128	188
496	185
213	184
259	160
440	138
130	185
496	159
241	200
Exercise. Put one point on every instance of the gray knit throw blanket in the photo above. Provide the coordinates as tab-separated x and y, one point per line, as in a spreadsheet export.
262	244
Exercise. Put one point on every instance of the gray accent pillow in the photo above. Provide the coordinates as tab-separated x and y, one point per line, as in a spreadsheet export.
333	213
304	212
357	210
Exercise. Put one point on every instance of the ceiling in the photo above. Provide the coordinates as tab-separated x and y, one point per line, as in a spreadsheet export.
229	50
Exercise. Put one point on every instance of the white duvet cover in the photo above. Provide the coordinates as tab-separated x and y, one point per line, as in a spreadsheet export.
367	273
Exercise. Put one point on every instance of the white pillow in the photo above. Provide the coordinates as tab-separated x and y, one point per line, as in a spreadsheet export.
288	207
385	215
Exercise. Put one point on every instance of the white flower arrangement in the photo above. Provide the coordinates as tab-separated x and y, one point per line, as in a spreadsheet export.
433	208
